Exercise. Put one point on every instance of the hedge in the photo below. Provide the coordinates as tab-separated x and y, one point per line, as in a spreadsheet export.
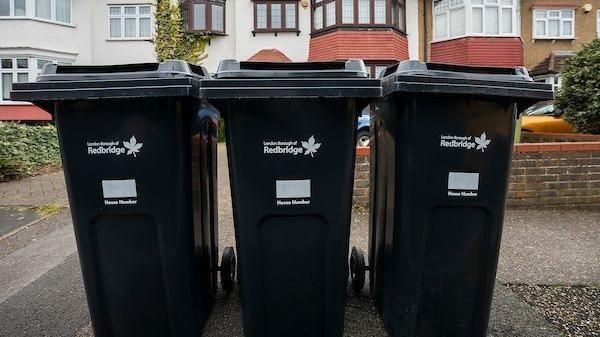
579	95
26	148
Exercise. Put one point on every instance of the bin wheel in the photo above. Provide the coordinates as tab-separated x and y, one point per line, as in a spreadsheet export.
228	268
357	269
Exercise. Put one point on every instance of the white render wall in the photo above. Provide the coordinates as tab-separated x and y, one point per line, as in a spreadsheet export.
240	44
86	40
30	36
106	51
412	28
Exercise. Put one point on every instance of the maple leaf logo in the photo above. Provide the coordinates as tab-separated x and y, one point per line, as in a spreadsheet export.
311	147
132	146
482	142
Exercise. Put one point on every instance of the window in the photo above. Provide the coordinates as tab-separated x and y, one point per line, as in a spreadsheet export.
275	16
553	24
330	13
347	11
487	17
16	69
55	10
449	18
130	22
399	15
388	13
12	70
13	8
598	23
204	16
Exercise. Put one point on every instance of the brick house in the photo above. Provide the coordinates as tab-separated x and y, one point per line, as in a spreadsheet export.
537	34
552	30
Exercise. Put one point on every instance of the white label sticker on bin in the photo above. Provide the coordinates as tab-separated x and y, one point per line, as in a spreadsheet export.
463	181
119	188
463	184
292	189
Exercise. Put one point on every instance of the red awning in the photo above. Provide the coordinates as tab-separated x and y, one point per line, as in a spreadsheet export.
23	112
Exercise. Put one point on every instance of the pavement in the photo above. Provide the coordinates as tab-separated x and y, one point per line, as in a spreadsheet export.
41	289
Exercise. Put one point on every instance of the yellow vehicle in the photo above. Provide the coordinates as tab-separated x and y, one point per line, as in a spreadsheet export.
544	117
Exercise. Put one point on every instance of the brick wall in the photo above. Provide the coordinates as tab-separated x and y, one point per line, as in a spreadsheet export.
542	175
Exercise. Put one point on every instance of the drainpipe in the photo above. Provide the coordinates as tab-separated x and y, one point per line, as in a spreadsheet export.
425	31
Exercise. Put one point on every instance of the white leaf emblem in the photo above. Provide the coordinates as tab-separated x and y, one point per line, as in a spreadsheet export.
132	146
482	142
311	147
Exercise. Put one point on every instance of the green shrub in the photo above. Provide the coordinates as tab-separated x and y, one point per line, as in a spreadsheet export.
579	95
170	42
26	148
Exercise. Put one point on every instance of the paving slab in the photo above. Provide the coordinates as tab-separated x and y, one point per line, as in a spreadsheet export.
45	189
25	265
550	247
13	217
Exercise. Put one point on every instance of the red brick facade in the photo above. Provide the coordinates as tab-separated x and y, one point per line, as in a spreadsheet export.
368	45
479	51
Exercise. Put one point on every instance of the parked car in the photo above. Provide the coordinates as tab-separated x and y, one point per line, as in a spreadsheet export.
545	117
363	135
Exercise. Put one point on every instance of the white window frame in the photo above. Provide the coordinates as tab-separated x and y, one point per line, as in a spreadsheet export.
553	79
11	10
446	12
598	23
32	70
53	13
137	18
561	36
468	8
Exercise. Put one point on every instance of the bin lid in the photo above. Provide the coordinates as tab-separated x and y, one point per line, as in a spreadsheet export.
65	82
235	79
420	77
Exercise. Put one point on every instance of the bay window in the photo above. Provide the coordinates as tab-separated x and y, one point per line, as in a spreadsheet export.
275	16
20	69
359	13
553	23
12	70
130	22
54	10
204	16
13	7
455	18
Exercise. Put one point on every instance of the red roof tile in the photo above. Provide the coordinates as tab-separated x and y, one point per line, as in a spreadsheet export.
269	55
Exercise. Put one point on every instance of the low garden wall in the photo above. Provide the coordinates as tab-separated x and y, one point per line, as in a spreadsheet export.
542	175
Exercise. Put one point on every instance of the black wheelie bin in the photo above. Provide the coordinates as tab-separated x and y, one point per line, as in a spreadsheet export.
138	145
290	131
440	156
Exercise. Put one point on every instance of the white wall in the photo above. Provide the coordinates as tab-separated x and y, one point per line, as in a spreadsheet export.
412	28
294	47
39	37
107	51
240	44
222	47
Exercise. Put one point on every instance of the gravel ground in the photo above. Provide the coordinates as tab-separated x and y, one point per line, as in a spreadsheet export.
575	309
